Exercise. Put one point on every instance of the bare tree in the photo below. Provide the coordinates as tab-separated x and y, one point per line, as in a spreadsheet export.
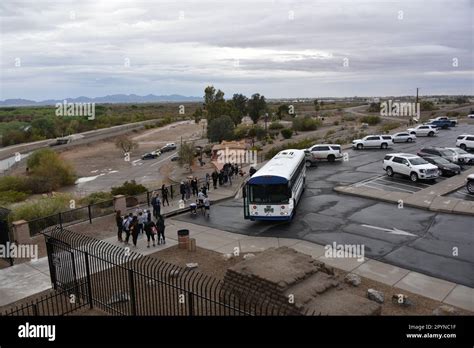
125	144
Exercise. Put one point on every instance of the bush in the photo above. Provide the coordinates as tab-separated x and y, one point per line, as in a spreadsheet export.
11	196
14	183
372	120
301	144
306	123
329	133
387	127
276	126
48	169
31	210
336	123
286	133
96	197
128	189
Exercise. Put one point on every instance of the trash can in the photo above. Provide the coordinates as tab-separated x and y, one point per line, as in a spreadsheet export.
183	239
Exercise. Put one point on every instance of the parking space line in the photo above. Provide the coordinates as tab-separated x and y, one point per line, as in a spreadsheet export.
368	185
361	183
396	182
398	188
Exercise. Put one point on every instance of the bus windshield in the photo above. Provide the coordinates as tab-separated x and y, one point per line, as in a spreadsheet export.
275	194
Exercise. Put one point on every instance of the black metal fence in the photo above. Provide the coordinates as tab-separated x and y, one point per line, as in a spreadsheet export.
122	282
55	304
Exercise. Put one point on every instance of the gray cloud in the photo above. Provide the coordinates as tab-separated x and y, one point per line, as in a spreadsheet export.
279	48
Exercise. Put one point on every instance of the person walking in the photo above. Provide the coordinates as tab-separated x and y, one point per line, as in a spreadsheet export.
187	188
156	204
164	195
150	231
182	190
126	226
215	176
160	226
208	181
141	222
119	222
134	230
207	206
194	186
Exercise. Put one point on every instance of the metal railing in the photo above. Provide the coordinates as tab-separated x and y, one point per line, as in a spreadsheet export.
57	303
122	282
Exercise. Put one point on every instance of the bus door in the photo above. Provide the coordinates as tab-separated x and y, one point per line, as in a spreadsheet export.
245	196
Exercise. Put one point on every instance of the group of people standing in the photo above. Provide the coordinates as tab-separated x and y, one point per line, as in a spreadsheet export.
191	187
225	175
140	222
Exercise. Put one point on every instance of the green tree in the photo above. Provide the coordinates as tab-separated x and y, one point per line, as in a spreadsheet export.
316	105
197	115
186	155
283	110
220	128
240	103
256	106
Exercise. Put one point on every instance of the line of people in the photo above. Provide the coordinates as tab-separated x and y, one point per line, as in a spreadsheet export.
140	222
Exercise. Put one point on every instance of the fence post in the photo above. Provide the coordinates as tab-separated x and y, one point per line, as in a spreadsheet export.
190	304
148	198
90	213
89	285
131	285
35	310
60	220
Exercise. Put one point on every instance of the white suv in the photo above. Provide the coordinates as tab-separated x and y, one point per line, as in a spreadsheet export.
410	165
330	152
465	141
381	141
424	130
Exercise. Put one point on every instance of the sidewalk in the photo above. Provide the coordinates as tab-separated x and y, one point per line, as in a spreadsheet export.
30	278
431	198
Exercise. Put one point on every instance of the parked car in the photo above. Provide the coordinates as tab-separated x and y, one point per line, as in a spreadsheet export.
470	183
449	122
330	152
441	124
372	141
168	147
310	161
447	168
438	151
150	155
463	156
415	167
423	130
470	116
403	137
465	141
174	158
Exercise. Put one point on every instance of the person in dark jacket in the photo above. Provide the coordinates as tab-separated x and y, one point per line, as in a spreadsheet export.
160	225
134	230
182	190
119	222
215	176
156	204
194	186
150	231
164	195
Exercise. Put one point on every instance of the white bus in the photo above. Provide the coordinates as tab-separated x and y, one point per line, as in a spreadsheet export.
274	190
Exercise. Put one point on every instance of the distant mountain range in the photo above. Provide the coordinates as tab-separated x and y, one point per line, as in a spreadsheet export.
112	99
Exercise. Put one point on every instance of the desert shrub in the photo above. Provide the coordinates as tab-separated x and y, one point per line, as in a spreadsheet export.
306	123
387	127
301	144
46	206
96	197
286	133
13	183
46	166
11	196
276	126
372	120
329	133
336	123
128	188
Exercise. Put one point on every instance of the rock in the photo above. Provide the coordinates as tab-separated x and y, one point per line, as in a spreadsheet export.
352	279
375	295
118	297
401	300
248	256
227	256
445	310
192	265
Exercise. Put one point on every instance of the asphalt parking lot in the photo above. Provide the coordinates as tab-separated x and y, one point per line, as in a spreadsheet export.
411	238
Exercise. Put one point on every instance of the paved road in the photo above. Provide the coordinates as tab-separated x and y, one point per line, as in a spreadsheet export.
421	240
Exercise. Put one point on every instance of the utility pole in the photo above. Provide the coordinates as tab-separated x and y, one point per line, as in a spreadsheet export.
416	96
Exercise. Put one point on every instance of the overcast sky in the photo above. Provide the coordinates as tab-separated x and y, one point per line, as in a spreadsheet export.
59	49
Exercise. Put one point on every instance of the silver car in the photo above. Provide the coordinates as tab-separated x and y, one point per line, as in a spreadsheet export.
403	137
463	157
